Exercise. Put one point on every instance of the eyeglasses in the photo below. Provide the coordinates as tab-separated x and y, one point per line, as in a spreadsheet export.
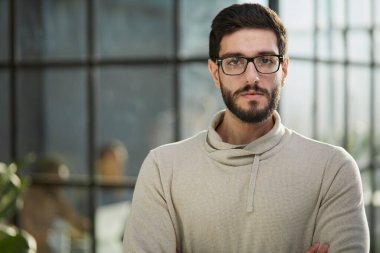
264	64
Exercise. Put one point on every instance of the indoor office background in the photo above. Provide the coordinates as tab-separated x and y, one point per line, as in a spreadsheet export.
77	74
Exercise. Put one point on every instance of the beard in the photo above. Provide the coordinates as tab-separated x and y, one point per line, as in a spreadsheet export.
253	114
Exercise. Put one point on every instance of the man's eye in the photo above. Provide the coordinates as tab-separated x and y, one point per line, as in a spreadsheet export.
266	60
234	61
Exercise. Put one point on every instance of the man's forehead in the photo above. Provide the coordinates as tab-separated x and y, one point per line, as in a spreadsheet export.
249	41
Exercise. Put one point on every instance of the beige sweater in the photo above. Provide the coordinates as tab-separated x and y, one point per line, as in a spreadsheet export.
279	193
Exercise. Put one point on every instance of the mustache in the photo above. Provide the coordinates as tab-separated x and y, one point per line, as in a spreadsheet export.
254	87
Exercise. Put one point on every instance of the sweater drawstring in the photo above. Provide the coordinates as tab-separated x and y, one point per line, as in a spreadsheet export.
252	183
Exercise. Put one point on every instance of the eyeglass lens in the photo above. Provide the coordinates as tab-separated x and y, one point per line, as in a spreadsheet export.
265	64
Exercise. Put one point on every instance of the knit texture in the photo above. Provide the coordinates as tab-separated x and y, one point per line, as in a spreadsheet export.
280	193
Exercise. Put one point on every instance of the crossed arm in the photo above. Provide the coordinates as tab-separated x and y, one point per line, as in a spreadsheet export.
318	248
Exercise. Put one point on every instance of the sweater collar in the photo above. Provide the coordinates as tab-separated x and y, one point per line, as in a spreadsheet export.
231	154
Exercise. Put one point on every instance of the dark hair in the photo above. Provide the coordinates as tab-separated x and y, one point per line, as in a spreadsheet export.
49	164
238	16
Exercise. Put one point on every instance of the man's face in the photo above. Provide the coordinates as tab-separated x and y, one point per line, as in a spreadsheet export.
251	96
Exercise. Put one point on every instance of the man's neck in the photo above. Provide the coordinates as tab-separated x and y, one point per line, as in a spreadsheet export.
234	131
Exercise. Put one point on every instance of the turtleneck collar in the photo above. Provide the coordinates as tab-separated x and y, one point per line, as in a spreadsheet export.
237	155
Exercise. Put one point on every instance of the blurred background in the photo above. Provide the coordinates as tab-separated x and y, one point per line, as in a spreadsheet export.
88	87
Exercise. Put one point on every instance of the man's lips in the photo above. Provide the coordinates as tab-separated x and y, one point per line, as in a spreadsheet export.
251	91
251	94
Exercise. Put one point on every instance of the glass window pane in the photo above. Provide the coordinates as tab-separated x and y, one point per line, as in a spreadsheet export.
368	196
135	106
292	11
52	118
377	115
376	197
57	217
195	25
367	186
377	10
364	8
65	116
338	12
359	108
133	28
4	31
324	44
200	99
29	112
377	42
300	34
300	44
5	131
324	14
358	46
330	45
51	29
337	46
330	103
296	109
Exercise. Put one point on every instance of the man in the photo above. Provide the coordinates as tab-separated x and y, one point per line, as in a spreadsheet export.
248	183
111	168
112	160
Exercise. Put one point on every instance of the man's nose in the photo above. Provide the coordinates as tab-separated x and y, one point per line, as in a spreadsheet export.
251	73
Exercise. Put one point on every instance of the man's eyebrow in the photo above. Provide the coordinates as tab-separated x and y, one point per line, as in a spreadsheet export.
267	53
232	54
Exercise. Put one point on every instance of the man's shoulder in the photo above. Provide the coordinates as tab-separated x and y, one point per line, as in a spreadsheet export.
318	153
312	145
178	155
195	142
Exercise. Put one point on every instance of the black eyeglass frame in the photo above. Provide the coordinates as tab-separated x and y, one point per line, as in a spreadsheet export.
251	59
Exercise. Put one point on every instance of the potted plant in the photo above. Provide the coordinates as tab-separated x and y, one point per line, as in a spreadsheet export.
12	238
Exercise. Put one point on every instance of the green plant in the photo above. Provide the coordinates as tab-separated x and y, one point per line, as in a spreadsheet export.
12	238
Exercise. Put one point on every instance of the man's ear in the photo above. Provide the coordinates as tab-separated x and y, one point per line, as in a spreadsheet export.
284	70
213	68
